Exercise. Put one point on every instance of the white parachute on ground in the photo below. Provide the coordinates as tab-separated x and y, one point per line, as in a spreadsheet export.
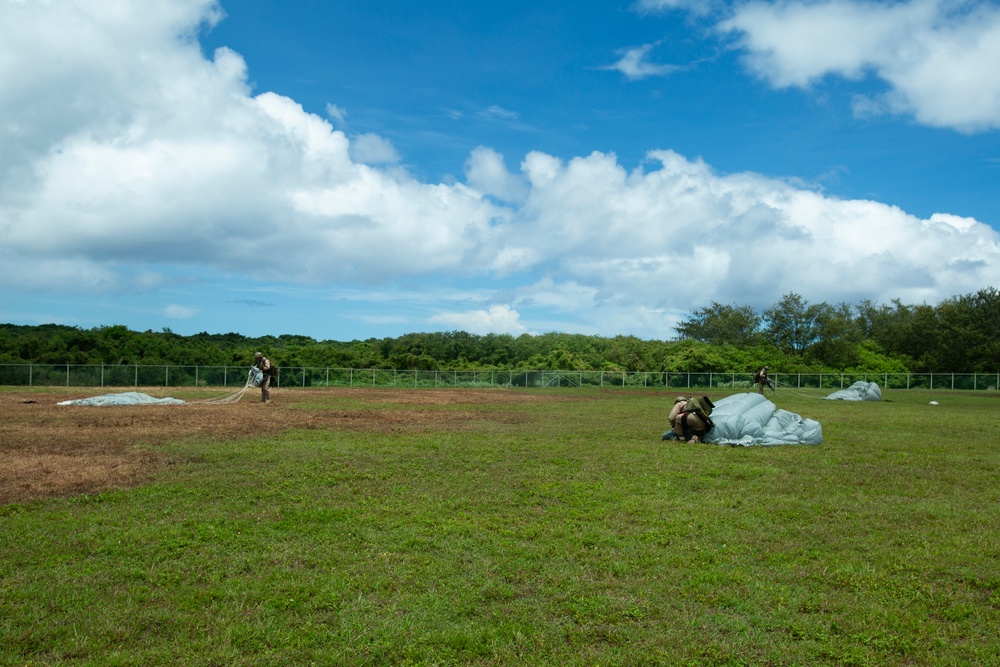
750	419
859	391
254	378
126	398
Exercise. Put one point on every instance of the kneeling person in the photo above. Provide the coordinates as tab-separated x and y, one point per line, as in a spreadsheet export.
690	418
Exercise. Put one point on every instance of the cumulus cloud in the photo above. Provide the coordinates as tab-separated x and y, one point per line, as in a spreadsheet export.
937	57
635	236
129	159
337	114
485	170
373	149
496	319
159	155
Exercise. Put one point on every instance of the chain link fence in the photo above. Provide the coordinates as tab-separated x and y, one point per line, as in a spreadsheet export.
135	375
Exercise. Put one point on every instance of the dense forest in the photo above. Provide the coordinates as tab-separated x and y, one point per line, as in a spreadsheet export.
958	335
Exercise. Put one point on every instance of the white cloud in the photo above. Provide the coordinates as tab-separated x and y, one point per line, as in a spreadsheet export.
937	57
498	319
175	312
693	6
373	149
495	112
634	64
337	114
485	170
126	148
170	159
637	237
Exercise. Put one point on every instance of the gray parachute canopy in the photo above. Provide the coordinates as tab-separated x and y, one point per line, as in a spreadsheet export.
859	391
126	398
751	419
254	378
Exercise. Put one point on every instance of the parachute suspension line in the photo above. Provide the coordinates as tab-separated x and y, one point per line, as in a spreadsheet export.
253	380
791	388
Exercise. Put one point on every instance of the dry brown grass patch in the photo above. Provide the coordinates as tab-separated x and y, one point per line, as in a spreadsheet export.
51	450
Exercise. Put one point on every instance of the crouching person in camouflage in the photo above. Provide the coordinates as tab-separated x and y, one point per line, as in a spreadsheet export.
690	418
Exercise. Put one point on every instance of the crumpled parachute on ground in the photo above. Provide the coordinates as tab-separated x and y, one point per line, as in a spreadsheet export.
859	391
254	378
750	419
127	398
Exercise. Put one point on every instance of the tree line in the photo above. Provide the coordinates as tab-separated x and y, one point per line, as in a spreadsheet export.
960	334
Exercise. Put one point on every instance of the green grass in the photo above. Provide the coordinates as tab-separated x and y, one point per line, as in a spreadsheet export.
541	533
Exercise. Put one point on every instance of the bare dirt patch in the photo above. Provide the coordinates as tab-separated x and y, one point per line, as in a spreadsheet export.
49	450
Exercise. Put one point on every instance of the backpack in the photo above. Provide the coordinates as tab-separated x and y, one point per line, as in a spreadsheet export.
273	370
702	406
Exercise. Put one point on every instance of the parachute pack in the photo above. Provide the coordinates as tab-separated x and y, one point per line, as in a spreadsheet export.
701	406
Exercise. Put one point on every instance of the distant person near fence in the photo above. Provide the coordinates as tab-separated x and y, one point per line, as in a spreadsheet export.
269	370
760	377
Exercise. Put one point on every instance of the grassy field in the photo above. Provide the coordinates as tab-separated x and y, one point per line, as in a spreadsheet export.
555	529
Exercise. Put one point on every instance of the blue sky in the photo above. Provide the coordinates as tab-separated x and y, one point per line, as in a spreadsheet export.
346	170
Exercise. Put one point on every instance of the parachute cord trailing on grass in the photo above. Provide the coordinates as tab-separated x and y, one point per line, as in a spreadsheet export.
254	378
809	392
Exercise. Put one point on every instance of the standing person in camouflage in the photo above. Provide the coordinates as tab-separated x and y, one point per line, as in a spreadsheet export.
760	377
267	368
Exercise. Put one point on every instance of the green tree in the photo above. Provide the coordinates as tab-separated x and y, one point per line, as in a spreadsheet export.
968	327
837	336
791	324
719	324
